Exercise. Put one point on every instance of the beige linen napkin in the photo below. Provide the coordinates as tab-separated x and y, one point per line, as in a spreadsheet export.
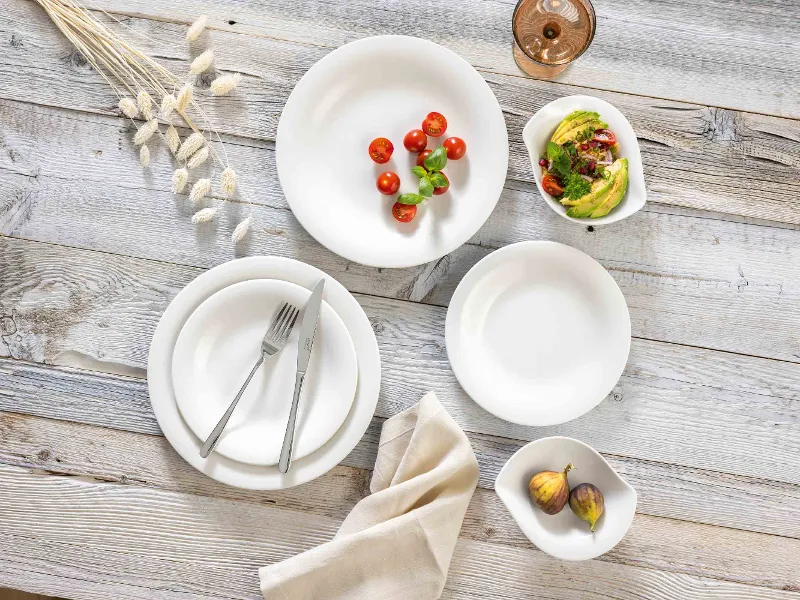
396	543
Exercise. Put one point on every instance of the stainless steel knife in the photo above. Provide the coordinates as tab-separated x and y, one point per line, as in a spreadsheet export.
308	328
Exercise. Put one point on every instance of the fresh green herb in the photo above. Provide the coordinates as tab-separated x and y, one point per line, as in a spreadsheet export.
571	149
436	160
425	187
577	187
410	199
559	161
438	180
585	135
420	172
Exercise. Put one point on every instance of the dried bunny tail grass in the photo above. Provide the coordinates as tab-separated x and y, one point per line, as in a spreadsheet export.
203	216
227	180
173	139
179	179
200	189
145	104
191	145
167	105
197	28
241	230
225	84
145	132
128	107
144	156
198	158
202	63
185	96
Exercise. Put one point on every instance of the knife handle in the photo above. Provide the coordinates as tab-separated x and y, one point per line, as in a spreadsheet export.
288	439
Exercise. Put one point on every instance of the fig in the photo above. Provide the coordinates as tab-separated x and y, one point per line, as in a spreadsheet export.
587	502
550	490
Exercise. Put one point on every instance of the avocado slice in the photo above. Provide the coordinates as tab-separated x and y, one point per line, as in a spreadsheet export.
579	125
616	193
599	195
573	117
596	185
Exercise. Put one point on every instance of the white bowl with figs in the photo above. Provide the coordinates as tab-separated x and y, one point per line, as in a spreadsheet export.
591	516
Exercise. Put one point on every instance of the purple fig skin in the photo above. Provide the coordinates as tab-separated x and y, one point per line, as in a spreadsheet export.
587	502
549	490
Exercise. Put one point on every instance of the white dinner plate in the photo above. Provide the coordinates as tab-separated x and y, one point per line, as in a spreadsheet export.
538	333
384	87
218	347
162	397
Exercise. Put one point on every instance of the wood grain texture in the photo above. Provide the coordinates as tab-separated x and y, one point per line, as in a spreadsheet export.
715	53
664	490
694	155
164	526
702	282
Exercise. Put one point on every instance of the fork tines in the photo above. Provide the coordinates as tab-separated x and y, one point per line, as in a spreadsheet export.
282	324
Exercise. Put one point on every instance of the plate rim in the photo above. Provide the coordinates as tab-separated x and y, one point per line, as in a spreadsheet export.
400	263
454	311
279	282
180	437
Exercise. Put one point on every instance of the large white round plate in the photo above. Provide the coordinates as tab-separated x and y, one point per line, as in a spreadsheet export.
221	468
218	347
538	333
383	87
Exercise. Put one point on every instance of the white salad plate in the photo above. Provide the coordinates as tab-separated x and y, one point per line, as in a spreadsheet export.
162	395
540	128
384	87
538	333
217	348
564	535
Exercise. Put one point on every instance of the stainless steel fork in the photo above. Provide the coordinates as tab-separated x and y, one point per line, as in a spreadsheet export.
274	340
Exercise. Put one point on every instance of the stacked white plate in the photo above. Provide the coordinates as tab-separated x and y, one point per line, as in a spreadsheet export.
210	337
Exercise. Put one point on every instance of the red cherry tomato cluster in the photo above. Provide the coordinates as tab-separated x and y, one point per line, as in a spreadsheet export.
432	180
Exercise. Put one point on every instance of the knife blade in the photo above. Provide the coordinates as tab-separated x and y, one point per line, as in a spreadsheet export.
308	328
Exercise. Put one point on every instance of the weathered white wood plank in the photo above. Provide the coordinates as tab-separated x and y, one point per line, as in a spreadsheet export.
714	53
694	156
159	526
702	282
730	413
664	490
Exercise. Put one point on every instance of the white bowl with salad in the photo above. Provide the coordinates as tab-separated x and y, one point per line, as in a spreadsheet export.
586	160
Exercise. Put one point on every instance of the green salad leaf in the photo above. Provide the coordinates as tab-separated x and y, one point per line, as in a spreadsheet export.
577	187
419	172
559	161
410	199
436	160
439	180
425	187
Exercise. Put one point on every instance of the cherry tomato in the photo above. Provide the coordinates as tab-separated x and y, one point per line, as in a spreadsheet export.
404	212
551	185
605	137
456	148
415	140
388	183
380	150
422	156
441	190
434	124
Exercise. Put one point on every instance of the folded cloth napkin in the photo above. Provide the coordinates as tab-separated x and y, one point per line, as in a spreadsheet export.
396	543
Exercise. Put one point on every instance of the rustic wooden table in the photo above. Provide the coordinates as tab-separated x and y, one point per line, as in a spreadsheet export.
705	422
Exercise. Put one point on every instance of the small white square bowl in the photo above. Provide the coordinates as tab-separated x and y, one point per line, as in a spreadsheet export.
564	535
540	129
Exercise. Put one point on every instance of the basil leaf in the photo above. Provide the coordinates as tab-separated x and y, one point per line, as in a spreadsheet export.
559	161
419	172
425	187
410	199
438	180
436	160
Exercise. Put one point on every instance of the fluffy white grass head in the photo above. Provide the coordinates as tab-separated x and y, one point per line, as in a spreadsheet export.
145	104
200	189
145	132
203	216
241	230
202	63
197	28
179	179
185	95
173	139
144	156
198	158
227	180
128	107
167	105
191	145
225	84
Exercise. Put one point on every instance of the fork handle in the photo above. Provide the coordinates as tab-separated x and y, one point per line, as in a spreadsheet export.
288	439
212	439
